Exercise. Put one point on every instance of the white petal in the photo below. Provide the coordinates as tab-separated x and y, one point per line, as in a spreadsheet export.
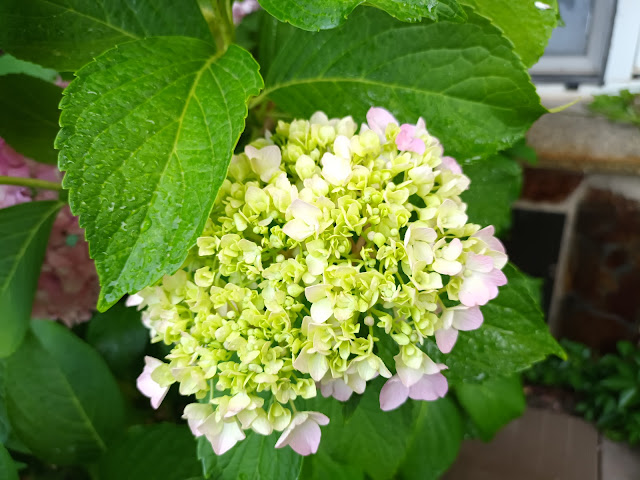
196	414
446	267
336	170
321	310
302	210
265	162
227	438
315	293
134	300
147	386
298	230
342	147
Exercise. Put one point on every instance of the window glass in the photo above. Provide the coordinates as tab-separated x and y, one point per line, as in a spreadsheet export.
572	38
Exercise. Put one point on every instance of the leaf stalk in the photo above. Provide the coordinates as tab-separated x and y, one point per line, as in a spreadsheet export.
219	17
30	182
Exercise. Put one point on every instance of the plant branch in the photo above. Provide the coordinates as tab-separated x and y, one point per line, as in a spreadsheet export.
30	182
219	17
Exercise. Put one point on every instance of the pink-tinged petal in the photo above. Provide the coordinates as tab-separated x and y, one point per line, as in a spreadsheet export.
319	418
487	236
393	394
303	433
336	388
305	439
473	292
498	278
479	263
449	163
467	319
408	375
378	118
408	141
147	386
430	388
446	339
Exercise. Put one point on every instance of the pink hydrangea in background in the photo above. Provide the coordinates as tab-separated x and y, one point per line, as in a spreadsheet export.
68	285
243	8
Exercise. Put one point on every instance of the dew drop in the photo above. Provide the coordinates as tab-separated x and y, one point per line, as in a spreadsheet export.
146	225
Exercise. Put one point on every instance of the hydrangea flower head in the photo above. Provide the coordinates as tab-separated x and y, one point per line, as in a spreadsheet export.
323	240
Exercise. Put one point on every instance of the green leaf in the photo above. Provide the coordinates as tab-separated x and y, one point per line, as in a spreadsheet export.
463	78
160	452
624	107
148	131
513	336
5	426
10	64
24	233
416	10
492	404
29	122
7	467
62	400
526	25
323	466
121	338
314	15
253	458
436	440
66	34
495	185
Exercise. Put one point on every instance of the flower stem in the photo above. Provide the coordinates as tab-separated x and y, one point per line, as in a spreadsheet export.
219	17
30	182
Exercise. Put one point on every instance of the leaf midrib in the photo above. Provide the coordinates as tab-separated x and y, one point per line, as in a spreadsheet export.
25	245
76	402
190	96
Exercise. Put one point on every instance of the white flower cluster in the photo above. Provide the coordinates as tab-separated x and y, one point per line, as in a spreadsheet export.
321	241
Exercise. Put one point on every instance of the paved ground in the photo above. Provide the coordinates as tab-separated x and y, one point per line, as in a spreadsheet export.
545	445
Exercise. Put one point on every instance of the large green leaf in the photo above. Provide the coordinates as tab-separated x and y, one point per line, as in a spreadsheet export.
29	121
160	452
492	404
435	441
148	131
495	184
513	336
121	338
7	467
527	25
253	458
10	64
66	34
62	400
316	15
463	78
24	233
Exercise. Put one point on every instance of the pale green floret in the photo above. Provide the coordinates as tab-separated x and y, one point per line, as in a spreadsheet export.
319	243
